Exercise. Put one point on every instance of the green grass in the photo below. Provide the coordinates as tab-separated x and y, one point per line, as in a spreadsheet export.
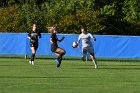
74	76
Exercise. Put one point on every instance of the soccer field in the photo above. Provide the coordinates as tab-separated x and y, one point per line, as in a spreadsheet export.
74	76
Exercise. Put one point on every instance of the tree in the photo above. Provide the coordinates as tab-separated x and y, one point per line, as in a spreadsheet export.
131	11
100	16
91	19
9	19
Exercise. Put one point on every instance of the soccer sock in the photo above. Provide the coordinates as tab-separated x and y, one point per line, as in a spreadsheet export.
60	57
94	61
84	57
32	56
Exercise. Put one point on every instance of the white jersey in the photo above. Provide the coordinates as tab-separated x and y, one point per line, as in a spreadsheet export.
86	39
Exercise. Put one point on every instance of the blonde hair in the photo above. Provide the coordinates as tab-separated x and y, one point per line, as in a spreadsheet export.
51	29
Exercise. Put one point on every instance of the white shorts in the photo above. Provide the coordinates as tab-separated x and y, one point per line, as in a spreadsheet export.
88	49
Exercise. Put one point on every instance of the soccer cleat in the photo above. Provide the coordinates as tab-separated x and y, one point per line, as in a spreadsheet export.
83	58
30	62
33	63
96	66
58	64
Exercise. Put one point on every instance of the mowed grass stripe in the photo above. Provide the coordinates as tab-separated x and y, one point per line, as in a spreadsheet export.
74	76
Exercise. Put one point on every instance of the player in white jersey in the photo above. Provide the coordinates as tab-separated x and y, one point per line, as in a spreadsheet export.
87	45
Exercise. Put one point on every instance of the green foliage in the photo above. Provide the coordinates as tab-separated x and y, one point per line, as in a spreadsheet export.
9	19
61	8
109	10
91	19
131	10
100	16
31	14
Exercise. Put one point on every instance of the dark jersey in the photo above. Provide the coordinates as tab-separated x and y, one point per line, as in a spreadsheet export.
34	37
54	40
54	45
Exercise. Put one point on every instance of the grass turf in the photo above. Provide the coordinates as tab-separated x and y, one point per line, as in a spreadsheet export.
74	76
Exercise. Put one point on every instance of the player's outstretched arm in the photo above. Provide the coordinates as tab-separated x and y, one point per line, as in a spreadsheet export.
94	39
28	37
61	39
39	35
78	42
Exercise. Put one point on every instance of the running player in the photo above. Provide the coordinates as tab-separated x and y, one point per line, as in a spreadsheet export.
54	46
33	37
87	45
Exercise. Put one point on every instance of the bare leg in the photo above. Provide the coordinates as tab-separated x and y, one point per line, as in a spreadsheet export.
60	52
94	60
33	55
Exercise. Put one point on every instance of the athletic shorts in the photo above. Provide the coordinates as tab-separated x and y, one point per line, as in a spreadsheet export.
34	45
87	49
53	48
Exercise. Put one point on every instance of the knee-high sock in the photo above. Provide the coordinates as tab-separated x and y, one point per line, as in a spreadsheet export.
32	56
94	61
60	57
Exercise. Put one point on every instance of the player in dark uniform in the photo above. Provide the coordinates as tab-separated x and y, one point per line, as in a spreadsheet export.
54	46
33	36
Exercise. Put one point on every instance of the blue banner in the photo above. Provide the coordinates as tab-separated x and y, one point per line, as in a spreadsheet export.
11	43
104	47
117	46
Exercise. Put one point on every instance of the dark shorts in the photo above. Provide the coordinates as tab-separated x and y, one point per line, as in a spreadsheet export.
35	45
53	48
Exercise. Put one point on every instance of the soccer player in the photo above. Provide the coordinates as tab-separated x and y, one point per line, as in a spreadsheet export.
33	37
54	46
87	46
